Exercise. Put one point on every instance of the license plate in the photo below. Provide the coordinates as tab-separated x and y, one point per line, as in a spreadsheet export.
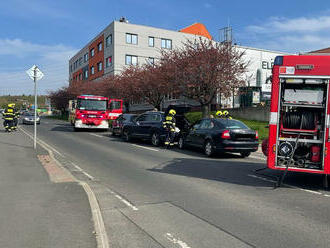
92	116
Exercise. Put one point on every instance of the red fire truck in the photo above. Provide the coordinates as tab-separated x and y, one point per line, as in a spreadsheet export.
300	114
89	111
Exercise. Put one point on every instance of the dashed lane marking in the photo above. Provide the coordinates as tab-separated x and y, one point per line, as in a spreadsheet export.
290	186
82	171
147	148
174	240
93	134
126	202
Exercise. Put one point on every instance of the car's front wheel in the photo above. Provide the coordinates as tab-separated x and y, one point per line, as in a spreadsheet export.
155	139
208	148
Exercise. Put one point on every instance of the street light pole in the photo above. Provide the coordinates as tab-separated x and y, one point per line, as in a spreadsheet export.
35	108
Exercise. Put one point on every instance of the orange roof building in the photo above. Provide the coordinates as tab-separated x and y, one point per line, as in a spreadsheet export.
197	29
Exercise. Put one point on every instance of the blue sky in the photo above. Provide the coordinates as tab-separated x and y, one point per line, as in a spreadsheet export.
48	32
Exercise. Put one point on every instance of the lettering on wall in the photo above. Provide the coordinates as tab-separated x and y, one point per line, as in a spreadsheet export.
267	65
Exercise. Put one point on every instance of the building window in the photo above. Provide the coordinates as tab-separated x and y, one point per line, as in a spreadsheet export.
70	68
80	76
151	41
86	74
80	60
92	52
108	61
108	40
99	47
151	61
99	66
166	43
85	57
92	70
131	60
131	39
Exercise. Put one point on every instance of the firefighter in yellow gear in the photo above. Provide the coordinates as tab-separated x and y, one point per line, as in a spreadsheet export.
169	125
9	116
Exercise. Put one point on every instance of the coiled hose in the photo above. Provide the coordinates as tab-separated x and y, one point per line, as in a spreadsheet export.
294	120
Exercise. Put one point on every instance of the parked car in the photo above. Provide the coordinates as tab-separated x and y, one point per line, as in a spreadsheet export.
221	135
149	126
120	122
28	118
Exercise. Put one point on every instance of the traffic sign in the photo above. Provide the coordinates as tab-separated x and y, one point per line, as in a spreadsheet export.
38	74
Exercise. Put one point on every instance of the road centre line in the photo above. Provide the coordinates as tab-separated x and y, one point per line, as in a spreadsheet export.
82	171
151	149
126	202
41	142
171	238
93	134
290	186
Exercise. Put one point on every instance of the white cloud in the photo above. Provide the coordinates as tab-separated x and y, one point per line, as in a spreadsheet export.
294	35
21	55
207	5
301	24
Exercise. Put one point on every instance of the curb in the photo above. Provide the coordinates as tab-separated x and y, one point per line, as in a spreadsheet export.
101	235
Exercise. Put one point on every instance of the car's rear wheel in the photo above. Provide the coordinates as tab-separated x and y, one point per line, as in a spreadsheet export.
181	143
208	148
155	139
245	154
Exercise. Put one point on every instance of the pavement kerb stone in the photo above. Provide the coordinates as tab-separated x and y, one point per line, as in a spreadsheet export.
57	173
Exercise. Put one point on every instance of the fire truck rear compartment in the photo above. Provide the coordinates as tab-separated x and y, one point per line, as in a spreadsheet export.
301	130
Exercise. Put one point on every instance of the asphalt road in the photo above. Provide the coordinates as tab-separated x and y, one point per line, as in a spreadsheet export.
152	197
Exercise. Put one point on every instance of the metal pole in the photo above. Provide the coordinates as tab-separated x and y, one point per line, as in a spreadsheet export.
35	108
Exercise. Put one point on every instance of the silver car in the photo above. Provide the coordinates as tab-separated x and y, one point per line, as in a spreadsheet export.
28	118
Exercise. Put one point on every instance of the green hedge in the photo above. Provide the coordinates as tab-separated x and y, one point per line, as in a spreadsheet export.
259	126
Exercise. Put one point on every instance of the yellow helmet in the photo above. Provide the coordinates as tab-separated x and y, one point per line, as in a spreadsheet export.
218	113
11	105
172	112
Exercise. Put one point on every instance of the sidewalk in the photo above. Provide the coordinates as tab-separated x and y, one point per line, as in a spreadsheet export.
35	212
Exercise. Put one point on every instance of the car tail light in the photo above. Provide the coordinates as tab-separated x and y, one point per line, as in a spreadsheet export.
225	134
257	135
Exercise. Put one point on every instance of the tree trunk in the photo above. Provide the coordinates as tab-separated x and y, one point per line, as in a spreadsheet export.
205	111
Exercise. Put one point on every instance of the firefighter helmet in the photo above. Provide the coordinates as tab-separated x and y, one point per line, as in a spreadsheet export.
172	112
218	113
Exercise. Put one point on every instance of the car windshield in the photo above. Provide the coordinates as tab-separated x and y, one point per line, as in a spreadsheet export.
90	104
232	124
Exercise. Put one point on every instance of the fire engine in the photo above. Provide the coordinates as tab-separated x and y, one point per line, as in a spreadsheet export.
299	122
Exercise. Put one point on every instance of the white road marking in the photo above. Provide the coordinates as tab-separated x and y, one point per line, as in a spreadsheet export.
93	134
263	179
82	171
41	142
171	238
290	186
151	149
311	191
126	202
